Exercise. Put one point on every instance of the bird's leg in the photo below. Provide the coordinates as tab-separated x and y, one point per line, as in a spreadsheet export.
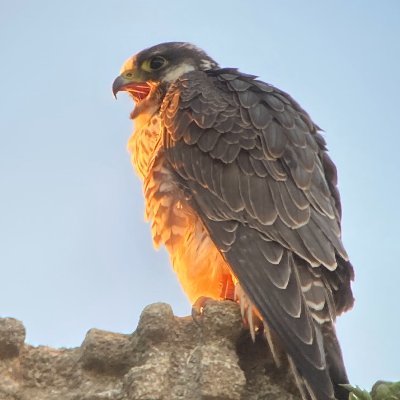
228	289
227	293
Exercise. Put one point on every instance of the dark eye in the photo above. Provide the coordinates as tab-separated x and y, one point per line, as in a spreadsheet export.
157	62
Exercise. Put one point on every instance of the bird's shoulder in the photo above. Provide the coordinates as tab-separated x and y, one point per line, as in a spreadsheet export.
258	158
229	87
233	116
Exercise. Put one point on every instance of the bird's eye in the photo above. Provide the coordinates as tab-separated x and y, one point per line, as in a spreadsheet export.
157	62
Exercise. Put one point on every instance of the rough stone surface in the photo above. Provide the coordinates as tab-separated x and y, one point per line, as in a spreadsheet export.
106	352
12	337
166	358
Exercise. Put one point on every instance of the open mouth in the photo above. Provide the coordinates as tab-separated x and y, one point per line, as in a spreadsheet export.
138	91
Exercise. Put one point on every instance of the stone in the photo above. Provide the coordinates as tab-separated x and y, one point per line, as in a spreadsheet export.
221	377
12	337
156	322
106	352
222	320
211	357
148	381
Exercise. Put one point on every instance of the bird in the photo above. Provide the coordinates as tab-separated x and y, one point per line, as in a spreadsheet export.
240	189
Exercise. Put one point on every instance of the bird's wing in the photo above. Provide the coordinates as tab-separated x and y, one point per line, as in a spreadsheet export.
254	168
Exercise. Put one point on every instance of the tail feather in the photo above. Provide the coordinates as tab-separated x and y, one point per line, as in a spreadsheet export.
305	392
337	370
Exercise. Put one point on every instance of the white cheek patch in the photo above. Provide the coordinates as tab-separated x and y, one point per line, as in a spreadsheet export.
178	71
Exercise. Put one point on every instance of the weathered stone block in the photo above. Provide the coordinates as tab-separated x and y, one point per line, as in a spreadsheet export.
221	377
167	358
106	352
156	322
12	337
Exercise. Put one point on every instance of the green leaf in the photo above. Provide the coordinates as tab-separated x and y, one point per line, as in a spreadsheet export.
356	393
386	391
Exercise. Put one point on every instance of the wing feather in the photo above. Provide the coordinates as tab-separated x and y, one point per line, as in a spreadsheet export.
230	188
261	200
254	165
274	140
244	188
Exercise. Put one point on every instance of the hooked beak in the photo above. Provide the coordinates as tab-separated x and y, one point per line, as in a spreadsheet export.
138	90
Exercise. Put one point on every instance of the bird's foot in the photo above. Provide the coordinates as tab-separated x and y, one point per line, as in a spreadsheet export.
198	308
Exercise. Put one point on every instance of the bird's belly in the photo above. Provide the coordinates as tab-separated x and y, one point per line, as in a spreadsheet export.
200	267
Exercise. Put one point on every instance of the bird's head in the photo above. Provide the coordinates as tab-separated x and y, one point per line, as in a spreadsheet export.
147	75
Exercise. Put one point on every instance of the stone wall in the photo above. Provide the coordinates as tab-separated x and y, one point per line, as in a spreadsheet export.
166	358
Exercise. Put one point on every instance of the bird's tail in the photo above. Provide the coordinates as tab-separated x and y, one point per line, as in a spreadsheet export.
335	370
305	391
334	359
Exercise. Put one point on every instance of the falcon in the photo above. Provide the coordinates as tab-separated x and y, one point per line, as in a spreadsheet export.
240	189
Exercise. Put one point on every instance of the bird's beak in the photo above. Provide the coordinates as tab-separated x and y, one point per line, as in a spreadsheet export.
119	85
139	90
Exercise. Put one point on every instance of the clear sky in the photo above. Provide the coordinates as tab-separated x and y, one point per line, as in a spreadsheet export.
74	250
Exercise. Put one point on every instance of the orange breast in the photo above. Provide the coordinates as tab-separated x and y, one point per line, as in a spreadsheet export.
200	268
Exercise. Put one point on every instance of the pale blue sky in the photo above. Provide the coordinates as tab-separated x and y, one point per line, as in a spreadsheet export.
75	252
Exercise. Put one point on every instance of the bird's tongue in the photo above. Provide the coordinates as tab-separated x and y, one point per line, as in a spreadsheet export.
139	91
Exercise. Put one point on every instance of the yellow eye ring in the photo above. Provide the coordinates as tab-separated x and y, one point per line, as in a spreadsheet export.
153	64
